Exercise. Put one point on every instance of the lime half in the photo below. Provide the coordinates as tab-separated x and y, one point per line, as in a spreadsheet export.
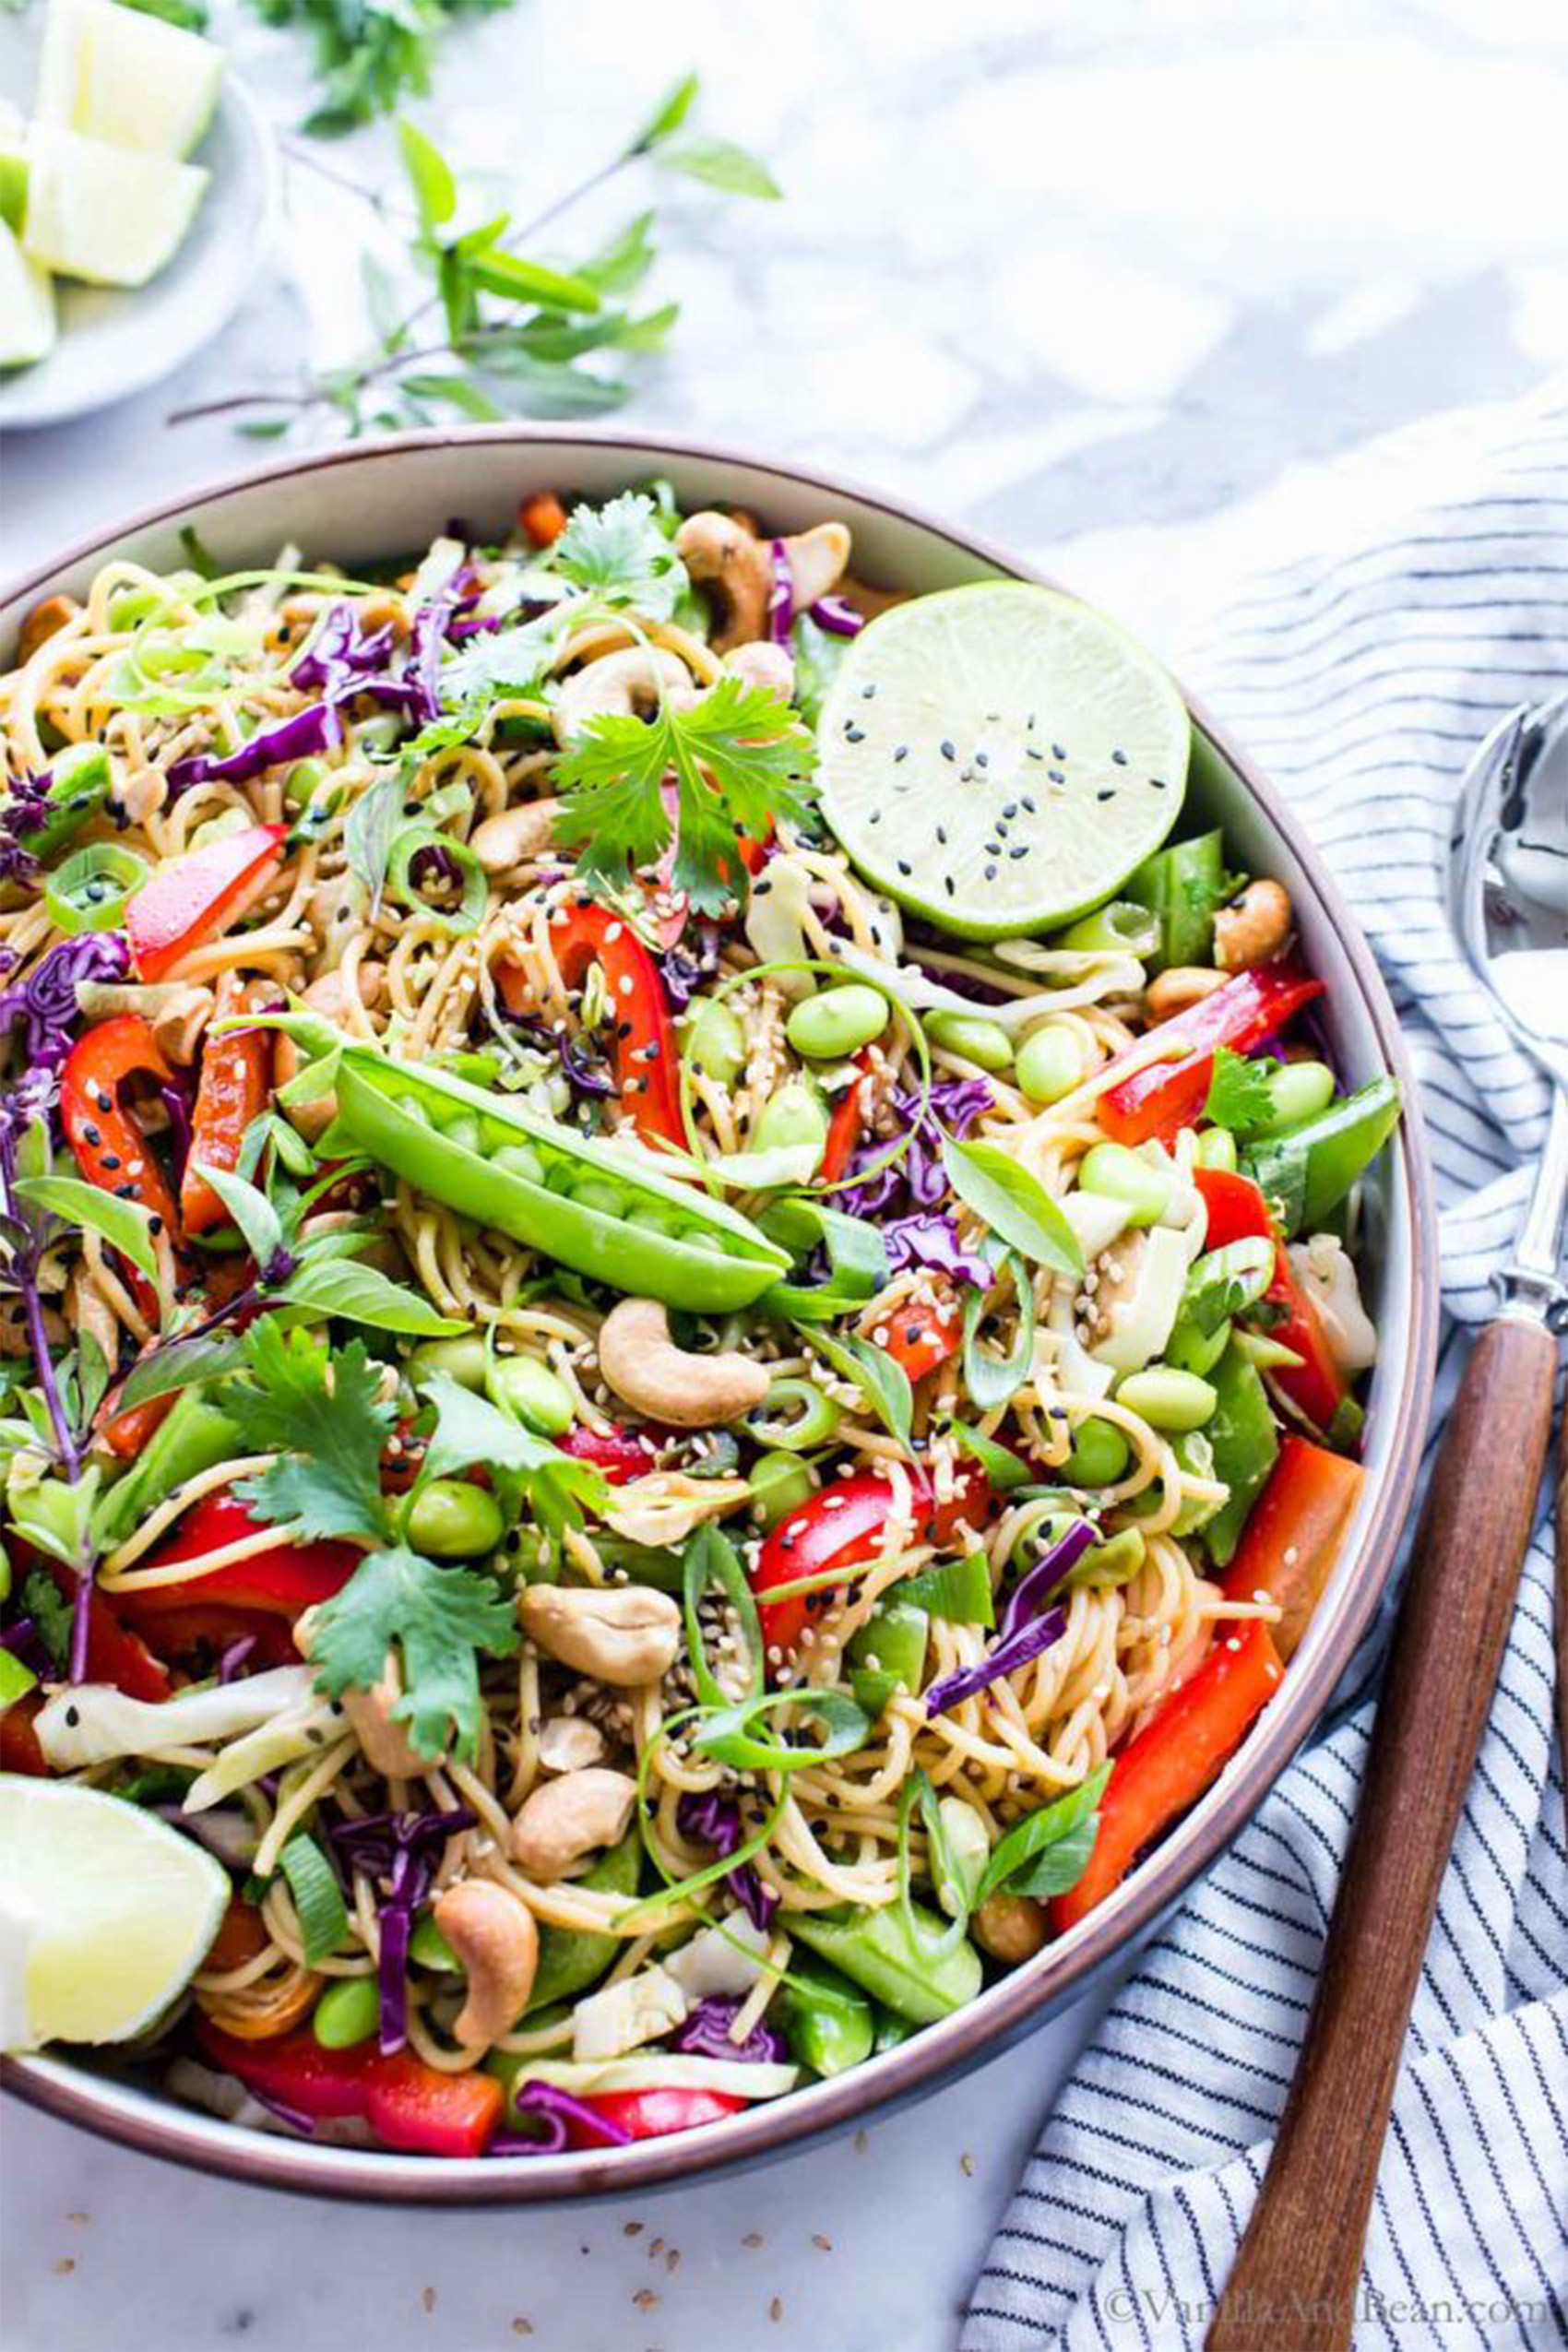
1000	757
105	1914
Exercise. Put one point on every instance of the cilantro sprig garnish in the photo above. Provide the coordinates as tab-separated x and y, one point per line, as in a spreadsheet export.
1239	1096
740	759
322	1414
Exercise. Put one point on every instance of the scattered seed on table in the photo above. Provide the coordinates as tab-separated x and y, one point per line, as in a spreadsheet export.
428	2298
776	2308
823	2245
646	2299
753	2238
521	2326
967	2165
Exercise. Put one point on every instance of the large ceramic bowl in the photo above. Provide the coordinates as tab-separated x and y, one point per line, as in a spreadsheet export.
392	496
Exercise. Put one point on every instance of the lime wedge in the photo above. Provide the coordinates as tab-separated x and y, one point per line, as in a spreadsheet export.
105	1914
1000	757
27	305
100	213
13	168
126	78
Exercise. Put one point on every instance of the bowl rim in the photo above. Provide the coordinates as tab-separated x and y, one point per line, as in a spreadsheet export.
136	2118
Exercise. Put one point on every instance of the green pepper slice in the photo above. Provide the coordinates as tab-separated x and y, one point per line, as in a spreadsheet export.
582	1200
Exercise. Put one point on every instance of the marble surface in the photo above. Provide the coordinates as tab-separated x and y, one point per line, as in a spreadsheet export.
1108	282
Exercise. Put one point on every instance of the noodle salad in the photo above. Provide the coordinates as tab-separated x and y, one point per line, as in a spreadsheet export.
679	1311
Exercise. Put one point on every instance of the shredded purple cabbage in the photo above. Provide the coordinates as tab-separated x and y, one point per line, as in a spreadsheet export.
234	1656
683	971
708	1819
706	2034
401	1850
340	656
954	1104
24	811
295	2116
21	1640
45	1005
177	1106
781	596
931	1238
1021	1635
554	2110
837	616
317	728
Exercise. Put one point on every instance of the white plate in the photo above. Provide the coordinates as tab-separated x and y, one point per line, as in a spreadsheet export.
113	341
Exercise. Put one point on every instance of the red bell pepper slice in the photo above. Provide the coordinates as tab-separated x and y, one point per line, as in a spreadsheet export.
919	1337
191	900
113	1654
844	1127
621	1454
1175	1756
1293	1535
647	1064
1164	1097
407	2103
1237	1211
838	1527
279	1582
19	1750
110	1149
234	1087
653	2114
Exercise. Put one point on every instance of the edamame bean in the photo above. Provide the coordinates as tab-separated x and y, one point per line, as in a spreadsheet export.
592	1192
794	1116
985	1043
1107	1565
430	1947
664	1221
837	1021
1298	1090
519	1160
1168	1400
778	1483
460	1359
1050	1063
716	1041
452	1519
347	2013
1099	1454
301	780
1216	1148
463	1131
523	1386
1117	1173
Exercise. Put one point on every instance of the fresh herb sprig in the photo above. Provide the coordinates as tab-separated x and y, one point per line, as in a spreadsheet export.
369	54
499	333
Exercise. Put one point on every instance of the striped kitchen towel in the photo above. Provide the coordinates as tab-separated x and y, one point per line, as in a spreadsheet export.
1363	678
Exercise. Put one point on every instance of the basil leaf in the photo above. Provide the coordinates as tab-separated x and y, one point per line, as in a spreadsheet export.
251	1210
367	835
1015	1205
1001	1466
994	1379
957	1589
360	1294
1048	1852
883	1383
123	1224
721	164
177	1364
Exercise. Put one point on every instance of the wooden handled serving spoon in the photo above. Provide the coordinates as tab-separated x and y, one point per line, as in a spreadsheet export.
1296	2276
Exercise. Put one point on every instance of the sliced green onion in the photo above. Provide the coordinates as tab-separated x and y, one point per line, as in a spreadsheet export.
809	1418
411	843
728	1737
959	1590
318	1898
88	892
711	1559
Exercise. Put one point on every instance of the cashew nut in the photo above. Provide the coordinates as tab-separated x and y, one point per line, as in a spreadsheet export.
721	553
644	1368
180	1019
663	1508
569	1743
1253	928
383	1742
1172	991
617	685
563	1820
140	795
764	664
42	623
492	1931
626	1634
1010	1927
515	837
328	996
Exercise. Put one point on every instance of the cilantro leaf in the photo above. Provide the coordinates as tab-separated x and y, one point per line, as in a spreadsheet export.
41	1599
469	1428
439	1618
506	661
740	758
1239	1096
330	1434
619	553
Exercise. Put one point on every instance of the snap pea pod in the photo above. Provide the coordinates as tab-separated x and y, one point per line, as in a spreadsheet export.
584	1202
1245	1441
828	2023
876	1951
1183	884
193	1437
570	1959
895	1635
1310	1169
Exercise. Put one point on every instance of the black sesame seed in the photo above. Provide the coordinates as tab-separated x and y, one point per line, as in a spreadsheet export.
947	885
905	868
854	734
1028	803
948	751
110	1160
902	752
1120	758
993	849
155	1223
91	1135
1030	753
941	835
1021	852
990	873
875	817
73	1716
1010	809
1059	751
982	759
1157	782
867	693
125	1192
1108	793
